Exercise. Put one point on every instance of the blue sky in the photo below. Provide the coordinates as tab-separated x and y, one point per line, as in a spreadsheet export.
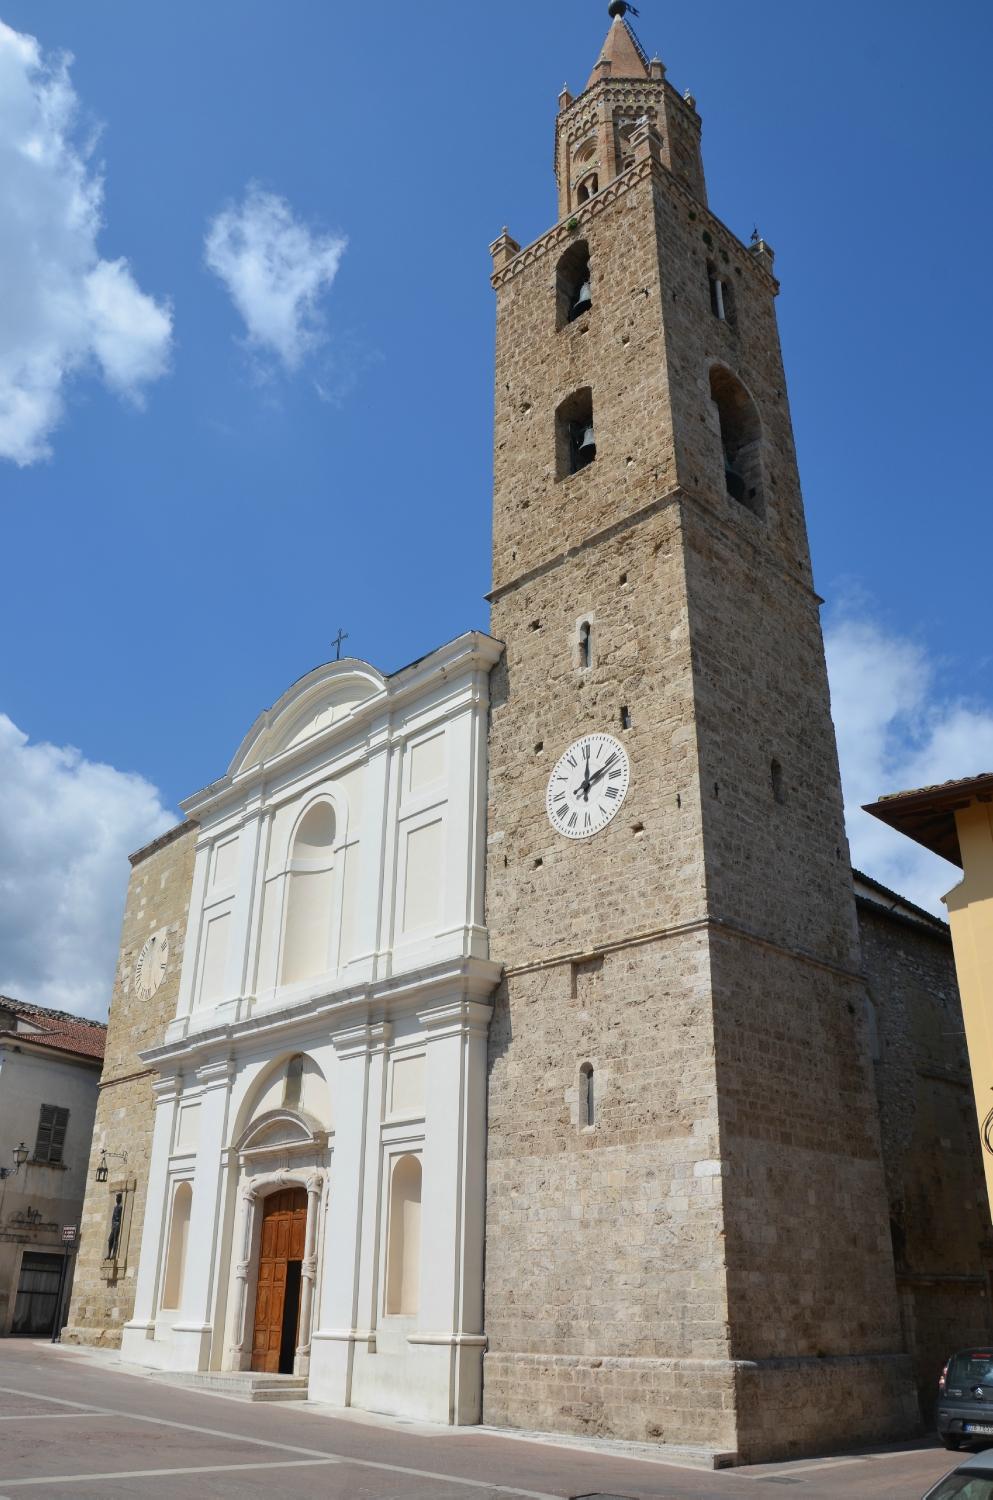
172	566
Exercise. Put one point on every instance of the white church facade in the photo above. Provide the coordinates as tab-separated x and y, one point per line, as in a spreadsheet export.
316	1188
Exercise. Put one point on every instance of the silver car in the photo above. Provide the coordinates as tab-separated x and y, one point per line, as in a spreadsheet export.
972	1480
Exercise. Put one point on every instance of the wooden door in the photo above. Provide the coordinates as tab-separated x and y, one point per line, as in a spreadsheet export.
284	1228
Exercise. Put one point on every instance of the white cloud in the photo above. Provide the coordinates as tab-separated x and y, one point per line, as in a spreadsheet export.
62	309
276	270
899	727
67	826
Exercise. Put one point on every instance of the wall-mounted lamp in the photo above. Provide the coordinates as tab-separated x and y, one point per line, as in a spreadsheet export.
20	1157
102	1174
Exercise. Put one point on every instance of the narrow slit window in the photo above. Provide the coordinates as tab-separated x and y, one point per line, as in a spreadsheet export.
585	645
587	1096
721	296
778	785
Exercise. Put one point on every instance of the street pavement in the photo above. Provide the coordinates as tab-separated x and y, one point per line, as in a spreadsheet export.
73	1427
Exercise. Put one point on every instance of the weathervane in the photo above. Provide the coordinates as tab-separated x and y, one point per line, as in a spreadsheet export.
336	643
621	8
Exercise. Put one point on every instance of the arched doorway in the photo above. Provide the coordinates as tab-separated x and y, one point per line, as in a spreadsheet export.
277	1300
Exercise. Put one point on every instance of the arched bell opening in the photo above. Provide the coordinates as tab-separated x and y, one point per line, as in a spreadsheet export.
741	439
575	435
573	284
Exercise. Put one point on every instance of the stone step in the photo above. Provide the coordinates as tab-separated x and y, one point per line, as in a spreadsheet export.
246	1385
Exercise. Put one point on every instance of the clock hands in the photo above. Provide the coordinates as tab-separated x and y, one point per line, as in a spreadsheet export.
602	771
589	781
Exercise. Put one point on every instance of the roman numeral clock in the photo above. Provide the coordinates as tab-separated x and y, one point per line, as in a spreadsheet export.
587	786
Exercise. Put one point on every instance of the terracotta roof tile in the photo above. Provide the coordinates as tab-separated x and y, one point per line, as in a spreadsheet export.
939	786
57	1029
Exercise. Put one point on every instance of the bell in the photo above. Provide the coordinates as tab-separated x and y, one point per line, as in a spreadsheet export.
584	300
586	451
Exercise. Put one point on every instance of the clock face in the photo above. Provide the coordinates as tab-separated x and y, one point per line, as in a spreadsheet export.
587	787
149	971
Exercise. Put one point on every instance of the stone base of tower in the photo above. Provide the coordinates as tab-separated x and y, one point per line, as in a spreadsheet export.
790	1407
745	1411
679	1401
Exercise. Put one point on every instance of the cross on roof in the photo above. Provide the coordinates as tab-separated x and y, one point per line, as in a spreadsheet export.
336	643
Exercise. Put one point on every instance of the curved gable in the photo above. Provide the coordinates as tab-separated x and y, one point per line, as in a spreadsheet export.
323	698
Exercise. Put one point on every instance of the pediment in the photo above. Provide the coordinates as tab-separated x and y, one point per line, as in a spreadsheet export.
322	699
282	1130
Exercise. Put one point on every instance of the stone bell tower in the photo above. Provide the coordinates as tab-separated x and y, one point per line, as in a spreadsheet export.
687	1234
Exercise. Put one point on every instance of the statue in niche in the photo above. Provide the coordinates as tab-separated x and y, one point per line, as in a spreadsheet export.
117	1214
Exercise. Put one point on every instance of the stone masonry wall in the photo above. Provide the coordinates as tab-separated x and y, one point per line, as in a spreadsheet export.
704	627
158	896
938	1206
606	1308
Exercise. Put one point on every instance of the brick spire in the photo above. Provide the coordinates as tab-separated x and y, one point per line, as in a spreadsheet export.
621	49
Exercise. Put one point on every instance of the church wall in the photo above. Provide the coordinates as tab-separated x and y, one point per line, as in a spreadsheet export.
936	1188
158	896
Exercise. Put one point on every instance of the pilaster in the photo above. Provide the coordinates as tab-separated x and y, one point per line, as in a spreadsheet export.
344	1318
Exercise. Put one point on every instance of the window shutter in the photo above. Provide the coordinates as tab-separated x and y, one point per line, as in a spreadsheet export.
52	1124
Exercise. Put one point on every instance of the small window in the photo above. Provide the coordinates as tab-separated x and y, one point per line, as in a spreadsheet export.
52	1125
778	785
573	287
587	1096
721	295
575	439
585	645
588	188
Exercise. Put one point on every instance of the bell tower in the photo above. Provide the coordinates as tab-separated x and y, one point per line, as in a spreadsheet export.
687	1236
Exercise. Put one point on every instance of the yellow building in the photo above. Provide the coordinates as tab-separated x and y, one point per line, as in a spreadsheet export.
955	820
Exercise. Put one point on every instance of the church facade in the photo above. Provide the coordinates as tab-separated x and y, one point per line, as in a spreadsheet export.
320	1092
512	1053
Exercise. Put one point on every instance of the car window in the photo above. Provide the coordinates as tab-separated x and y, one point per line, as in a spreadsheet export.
962	1487
965	1370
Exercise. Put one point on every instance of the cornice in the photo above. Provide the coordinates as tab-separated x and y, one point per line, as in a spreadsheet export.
562	234
355	1011
169	837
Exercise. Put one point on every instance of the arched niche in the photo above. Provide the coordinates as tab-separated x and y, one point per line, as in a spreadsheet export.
309	905
309	1096
741	439
179	1233
403	1261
